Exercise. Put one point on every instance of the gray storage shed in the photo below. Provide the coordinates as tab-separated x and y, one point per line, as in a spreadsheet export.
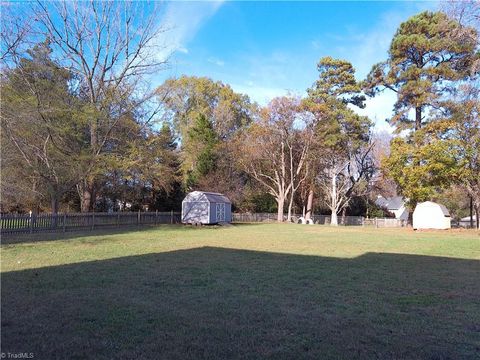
200	207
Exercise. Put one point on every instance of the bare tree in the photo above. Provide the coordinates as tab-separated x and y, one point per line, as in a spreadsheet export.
273	151
15	29
341	177
466	12
298	143
111	47
380	182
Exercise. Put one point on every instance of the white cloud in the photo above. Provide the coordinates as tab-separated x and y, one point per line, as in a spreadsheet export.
182	49
264	76
216	61
183	20
258	93
315	44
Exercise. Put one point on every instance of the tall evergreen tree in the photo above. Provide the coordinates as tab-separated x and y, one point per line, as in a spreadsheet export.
200	142
170	198
342	159
427	61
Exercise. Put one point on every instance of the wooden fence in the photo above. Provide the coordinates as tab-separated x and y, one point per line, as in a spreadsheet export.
24	224
324	220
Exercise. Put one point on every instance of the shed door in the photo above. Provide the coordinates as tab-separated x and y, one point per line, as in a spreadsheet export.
221	212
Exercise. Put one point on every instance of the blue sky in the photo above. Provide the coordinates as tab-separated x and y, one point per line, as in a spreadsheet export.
267	49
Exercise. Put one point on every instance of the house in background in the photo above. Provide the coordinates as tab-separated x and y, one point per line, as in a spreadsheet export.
465	222
395	205
430	215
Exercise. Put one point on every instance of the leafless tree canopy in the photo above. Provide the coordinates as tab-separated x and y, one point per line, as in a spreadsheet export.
110	45
15	29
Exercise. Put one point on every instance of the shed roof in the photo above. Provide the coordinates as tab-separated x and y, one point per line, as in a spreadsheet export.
444	210
207	196
432	204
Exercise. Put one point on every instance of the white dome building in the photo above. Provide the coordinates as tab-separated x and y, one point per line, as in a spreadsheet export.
430	215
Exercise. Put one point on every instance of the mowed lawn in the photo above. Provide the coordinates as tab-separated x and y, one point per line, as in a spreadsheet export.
273	291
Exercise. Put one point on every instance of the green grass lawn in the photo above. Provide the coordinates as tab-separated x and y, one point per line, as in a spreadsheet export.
247	291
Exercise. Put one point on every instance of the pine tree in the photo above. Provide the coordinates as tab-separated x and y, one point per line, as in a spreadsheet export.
342	136
202	141
427	62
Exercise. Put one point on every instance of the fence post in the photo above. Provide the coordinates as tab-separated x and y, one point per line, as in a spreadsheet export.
64	222
93	220
138	218
156	217
31	222
171	216
376	223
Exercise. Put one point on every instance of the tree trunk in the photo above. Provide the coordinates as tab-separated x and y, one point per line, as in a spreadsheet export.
87	196
418	118
344	213
477	212
471	212
334	219
290	205
280	202
309	214
54	203
334	205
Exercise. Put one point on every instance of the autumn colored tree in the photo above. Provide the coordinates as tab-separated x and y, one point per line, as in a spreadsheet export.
465	139
46	150
185	100
111	47
188	97
274	149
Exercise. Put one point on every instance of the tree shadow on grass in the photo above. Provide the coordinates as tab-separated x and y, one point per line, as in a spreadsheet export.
220	303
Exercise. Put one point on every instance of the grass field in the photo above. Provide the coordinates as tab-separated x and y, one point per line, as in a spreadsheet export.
247	291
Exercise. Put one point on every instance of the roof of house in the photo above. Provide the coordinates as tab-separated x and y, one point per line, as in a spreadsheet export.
393	203
207	196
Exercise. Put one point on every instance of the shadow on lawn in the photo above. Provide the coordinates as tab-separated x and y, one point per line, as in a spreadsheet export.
225	303
51	236
7	239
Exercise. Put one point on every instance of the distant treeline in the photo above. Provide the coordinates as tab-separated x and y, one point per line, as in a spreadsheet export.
82	130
